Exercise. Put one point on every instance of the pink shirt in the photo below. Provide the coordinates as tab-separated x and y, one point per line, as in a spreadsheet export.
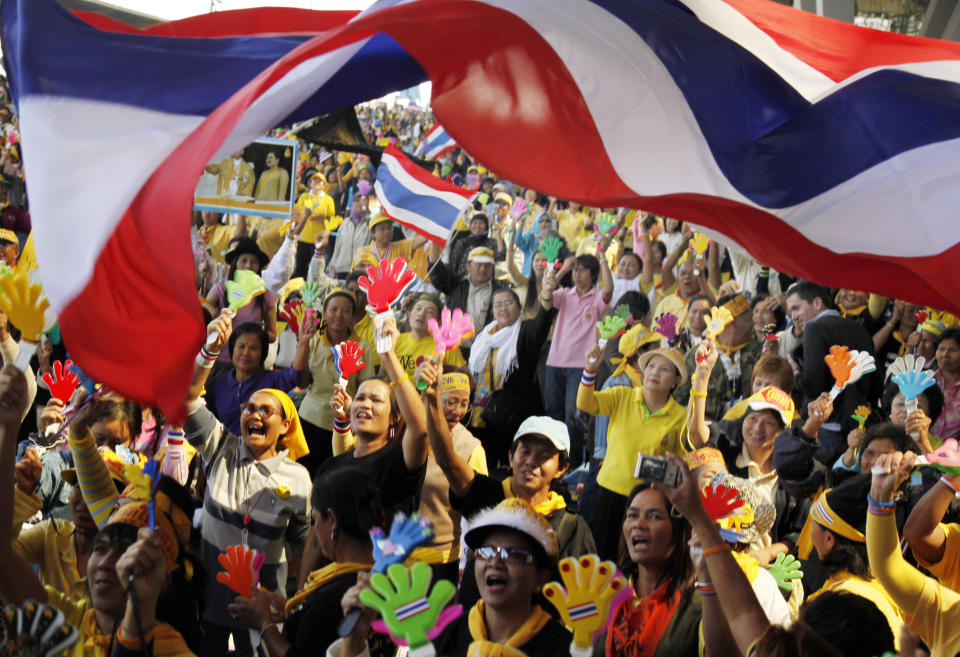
576	328
948	424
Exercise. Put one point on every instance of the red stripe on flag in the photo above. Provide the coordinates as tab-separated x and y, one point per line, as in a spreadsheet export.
838	49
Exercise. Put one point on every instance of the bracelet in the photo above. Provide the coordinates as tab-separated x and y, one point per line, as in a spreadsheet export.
703	585
882	505
879	511
134	642
701	395
266	627
949	484
716	549
394	384
588	378
317	253
341	426
206	359
705	591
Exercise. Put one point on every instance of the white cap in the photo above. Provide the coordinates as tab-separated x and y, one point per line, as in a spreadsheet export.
553	430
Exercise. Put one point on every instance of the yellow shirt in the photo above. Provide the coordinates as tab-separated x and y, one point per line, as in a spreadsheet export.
948	569
321	207
634	429
570	227
872	591
315	407
409	349
49	546
167	642
673	303
217	239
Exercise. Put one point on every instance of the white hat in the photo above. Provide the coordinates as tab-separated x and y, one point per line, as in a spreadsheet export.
513	513
553	430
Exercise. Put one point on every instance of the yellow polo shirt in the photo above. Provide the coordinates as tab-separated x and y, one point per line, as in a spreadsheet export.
947	570
409	349
634	429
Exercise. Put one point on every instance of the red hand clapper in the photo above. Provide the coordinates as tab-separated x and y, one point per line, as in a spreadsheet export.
386	283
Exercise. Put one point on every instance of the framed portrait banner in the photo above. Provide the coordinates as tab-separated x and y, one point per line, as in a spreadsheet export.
259	179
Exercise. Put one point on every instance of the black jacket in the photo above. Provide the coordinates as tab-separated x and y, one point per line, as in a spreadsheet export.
457	289
815	377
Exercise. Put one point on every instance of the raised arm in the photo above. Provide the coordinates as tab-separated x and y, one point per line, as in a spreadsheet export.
706	358
223	326
457	471
923	531
586	393
606	277
17	579
411	407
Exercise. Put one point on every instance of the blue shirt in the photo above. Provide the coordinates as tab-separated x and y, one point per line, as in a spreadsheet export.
225	396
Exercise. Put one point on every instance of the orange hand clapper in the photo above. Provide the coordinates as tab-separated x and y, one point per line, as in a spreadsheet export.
840	363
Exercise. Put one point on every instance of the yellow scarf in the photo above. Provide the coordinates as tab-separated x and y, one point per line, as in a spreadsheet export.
534	623
903	343
166	640
318	578
730	351
554	501
265	179
749	565
853	312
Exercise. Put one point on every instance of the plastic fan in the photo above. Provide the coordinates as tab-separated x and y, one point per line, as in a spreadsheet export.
454	327
406	534
667	326
519	210
700	243
35	630
412	612
24	304
945	458
605	224
347	359
785	569
717	321
241	567
769	331
910	377
610	327
860	414
921	316
721	502
63	382
243	289
310	293
623	310
551	248
292	313
847	367
591	591
386	283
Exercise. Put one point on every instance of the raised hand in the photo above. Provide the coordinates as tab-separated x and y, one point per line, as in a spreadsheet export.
310	293
406	534
386	283
241	567
24	304
785	569
666	325
63	382
243	289
717	320
410	615
453	328
292	314
13	395
551	248
699	243
519	210
28	471
610	327
889	472
348	358
591	590
219	330
720	502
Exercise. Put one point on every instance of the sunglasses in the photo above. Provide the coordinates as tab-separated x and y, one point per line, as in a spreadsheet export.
514	555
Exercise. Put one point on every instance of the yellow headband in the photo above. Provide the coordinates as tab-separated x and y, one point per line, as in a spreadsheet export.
703	456
824	516
294	439
455	381
737	305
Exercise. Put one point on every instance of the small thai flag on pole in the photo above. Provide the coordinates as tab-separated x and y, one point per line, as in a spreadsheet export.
418	199
437	143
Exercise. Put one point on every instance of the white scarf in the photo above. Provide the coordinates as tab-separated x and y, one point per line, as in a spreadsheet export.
505	340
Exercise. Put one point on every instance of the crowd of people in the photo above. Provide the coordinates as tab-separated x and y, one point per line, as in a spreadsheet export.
520	446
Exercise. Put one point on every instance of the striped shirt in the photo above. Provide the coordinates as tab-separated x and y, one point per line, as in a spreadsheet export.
242	492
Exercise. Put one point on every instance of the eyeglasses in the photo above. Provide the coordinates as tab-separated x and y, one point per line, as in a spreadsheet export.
265	412
512	555
503	304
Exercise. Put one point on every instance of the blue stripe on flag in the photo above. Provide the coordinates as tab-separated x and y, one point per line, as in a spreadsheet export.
436	210
411	609
582	611
773	145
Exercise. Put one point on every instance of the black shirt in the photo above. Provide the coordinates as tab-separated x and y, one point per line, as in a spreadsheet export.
552	640
399	487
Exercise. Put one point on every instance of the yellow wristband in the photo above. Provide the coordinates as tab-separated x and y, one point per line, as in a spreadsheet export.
701	395
394	384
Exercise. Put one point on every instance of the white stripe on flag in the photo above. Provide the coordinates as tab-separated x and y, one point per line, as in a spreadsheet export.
405	216
416	187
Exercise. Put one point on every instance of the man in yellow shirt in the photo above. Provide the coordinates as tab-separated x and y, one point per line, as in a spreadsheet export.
382	246
235	175
410	347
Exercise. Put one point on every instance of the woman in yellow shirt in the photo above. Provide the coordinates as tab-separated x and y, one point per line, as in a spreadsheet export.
643	420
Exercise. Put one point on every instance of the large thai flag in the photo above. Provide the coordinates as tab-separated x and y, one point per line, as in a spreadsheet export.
828	151
437	143
417	198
